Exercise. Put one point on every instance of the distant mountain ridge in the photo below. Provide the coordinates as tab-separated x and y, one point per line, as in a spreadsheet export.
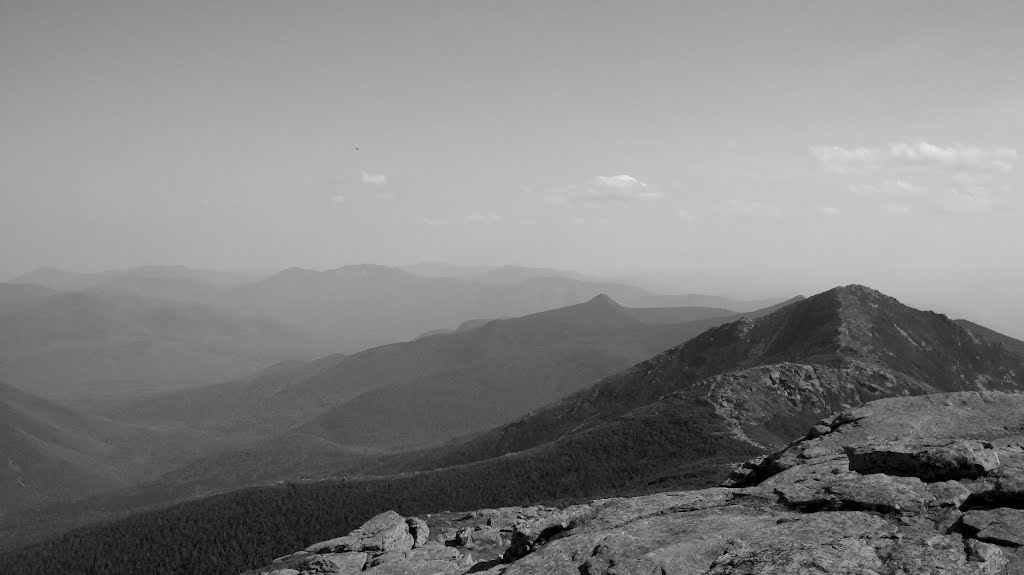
440	386
95	345
679	419
356	307
841	347
366	305
401	394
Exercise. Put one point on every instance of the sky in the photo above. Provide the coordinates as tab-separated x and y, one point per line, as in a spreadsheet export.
749	148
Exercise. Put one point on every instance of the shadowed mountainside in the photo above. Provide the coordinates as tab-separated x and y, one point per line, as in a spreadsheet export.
473	377
858	345
903	486
49	452
677	420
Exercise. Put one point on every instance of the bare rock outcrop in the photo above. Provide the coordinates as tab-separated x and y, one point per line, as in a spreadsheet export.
901	486
386	532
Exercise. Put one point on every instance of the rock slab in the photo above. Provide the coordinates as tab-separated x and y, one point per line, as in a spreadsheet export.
900	486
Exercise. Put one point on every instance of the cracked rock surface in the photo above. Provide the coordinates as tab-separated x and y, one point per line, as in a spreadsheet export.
902	486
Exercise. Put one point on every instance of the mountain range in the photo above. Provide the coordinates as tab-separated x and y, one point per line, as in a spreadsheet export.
282	421
95	340
423	392
363	306
680	419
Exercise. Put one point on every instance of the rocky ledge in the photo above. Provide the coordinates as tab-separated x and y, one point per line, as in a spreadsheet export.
931	484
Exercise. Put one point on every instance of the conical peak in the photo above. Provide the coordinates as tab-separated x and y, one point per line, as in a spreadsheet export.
603	300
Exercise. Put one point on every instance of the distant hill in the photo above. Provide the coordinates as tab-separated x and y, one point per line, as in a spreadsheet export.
519	274
444	270
49	452
490	274
356	307
467	325
102	347
364	306
175	283
101	336
56	279
433	388
13	296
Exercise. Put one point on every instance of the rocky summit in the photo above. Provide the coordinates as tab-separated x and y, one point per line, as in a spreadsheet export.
900	486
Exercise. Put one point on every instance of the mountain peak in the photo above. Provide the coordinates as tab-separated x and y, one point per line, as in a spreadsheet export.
603	301
860	292
857	289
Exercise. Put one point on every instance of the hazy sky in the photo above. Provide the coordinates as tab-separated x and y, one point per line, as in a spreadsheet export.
785	145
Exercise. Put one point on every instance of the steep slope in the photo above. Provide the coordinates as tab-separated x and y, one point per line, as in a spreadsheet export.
48	452
51	453
498	371
515	360
433	388
903	485
856	343
107	347
870	493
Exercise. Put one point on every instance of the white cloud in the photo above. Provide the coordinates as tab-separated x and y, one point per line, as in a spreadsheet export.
483	217
617	190
845	161
374	179
577	220
384	196
916	154
685	215
620	194
830	211
622	187
971	174
431	221
957	157
619	181
889	188
338	199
